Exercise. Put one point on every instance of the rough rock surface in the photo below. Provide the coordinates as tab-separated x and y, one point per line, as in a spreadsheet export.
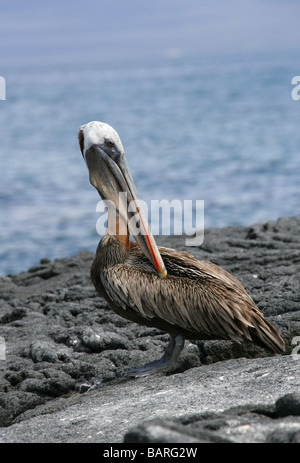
59	335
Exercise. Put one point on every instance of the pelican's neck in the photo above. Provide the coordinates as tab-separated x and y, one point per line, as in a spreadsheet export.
118	228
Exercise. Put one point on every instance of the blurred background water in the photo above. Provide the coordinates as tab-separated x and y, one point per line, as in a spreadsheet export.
222	128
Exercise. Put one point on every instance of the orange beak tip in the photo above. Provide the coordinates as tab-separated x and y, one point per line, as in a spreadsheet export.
163	273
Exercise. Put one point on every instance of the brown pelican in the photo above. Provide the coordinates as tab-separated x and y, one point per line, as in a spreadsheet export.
156	286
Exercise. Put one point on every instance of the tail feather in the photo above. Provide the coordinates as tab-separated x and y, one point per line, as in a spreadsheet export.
266	335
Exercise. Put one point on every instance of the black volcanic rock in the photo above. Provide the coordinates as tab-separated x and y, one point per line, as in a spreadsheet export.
59	334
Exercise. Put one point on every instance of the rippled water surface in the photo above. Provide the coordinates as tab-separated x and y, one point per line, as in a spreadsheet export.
226	132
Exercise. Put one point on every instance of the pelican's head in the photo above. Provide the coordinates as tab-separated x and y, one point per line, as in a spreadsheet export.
99	134
104	155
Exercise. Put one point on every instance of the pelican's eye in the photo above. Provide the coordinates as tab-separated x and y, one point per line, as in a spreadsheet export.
109	144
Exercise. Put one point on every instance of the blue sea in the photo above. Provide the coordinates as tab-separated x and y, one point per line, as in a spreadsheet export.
224	130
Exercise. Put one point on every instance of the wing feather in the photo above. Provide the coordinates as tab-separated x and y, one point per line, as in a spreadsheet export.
197	296
196	307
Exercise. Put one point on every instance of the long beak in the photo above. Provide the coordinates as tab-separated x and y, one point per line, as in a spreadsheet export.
112	179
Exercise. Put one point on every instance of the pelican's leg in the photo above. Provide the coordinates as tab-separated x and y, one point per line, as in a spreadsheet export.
166	363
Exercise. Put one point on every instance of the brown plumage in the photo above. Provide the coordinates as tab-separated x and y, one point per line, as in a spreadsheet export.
197	299
160	287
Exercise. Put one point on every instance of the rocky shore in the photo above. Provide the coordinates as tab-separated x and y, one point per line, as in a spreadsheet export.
60	337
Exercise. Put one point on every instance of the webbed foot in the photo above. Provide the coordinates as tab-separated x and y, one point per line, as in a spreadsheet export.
165	364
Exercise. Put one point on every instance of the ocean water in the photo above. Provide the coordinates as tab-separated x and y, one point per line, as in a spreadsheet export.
225	131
